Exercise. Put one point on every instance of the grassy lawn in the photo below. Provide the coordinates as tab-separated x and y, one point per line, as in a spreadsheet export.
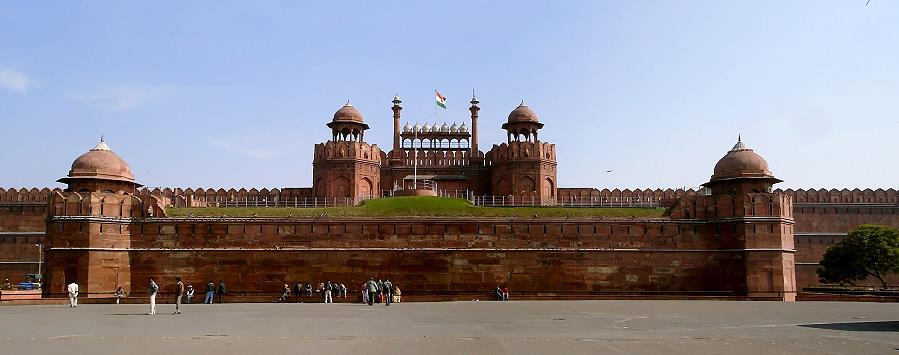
419	206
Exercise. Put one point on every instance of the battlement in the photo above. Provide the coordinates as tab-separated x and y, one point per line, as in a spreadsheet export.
332	150
23	195
742	205
437	157
522	151
103	204
888	196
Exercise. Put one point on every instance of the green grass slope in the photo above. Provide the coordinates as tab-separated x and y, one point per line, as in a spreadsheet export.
419	207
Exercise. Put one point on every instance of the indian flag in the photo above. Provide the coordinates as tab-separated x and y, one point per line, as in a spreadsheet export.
441	100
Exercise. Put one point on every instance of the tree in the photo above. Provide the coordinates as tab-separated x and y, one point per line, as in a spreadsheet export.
868	250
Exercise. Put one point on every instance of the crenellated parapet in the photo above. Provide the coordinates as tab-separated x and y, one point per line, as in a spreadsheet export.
518	151
717	207
103	204
882	196
438	158
348	150
23	195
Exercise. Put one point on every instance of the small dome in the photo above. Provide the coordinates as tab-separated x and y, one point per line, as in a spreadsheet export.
426	127
435	127
407	128
463	128
454	128
444	128
348	113
100	163
741	162
416	128
522	113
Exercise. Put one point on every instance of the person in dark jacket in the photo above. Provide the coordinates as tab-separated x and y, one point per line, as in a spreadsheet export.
221	290
298	291
210	293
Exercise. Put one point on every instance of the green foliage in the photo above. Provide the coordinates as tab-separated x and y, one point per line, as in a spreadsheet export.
868	250
419	206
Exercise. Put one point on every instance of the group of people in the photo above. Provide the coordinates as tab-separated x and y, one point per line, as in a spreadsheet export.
326	290
383	291
502	294
372	292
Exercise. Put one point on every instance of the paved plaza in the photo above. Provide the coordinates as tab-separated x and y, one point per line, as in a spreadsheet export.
536	327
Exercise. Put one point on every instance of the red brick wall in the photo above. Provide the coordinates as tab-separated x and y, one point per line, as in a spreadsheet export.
21	227
451	257
819	226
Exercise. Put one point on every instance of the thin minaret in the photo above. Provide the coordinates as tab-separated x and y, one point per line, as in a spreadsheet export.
474	124
396	123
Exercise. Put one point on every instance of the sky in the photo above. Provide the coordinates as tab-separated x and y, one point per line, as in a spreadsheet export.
235	94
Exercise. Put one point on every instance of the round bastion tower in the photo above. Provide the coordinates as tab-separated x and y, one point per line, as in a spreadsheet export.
524	167
89	225
347	168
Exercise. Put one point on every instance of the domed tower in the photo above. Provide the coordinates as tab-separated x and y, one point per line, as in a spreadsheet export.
100	170
741	170
348	124
524	167
346	166
89	225
522	124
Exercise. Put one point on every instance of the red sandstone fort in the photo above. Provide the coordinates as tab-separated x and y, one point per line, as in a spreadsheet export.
737	238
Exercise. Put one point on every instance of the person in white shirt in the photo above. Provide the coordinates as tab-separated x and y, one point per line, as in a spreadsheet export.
152	291
73	294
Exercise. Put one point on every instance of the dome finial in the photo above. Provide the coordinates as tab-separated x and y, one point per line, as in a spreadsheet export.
347	104
102	145
740	145
522	103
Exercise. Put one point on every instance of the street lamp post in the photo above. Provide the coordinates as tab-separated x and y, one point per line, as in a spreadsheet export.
40	259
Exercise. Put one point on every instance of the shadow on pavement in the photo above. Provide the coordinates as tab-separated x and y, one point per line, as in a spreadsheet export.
879	326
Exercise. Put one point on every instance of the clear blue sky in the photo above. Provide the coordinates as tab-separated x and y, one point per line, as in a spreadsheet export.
206	94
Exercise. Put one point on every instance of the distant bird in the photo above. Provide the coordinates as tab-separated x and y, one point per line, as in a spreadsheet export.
608	171
322	215
869	1
190	215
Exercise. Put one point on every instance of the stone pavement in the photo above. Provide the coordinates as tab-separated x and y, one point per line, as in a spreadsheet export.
535	327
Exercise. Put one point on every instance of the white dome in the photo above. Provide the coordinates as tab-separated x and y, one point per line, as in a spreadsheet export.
444	128
454	128
407	128
435	127
417	128
463	128
426	128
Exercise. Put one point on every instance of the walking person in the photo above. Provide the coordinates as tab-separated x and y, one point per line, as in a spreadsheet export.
499	293
309	289
298	290
397	294
190	293
221	291
119	294
343	289
72	288
179	291
372	288
152	292
505	293
380	291
365	292
286	295
210	293
329	288
388	290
